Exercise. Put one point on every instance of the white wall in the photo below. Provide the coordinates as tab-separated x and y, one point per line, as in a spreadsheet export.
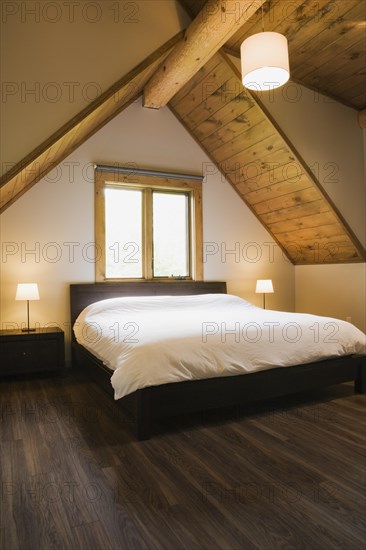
59	210
239	249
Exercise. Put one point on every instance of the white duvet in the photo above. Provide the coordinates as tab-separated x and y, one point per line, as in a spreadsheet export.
155	340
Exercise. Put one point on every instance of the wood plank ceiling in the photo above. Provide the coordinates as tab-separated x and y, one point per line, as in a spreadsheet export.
327	43
264	168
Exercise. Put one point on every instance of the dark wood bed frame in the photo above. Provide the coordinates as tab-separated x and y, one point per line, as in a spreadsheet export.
198	395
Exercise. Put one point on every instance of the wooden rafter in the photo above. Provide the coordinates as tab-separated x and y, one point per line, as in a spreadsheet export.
211	29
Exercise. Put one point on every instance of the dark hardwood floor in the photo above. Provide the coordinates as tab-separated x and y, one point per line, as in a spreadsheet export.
285	474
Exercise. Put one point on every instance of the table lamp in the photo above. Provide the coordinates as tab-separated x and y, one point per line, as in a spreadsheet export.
264	286
27	291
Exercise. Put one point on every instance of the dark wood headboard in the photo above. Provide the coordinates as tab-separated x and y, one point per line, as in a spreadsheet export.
81	295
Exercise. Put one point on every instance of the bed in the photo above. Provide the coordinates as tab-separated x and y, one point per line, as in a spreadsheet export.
149	403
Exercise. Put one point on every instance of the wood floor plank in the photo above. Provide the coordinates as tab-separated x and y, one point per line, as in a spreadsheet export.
92	535
282	474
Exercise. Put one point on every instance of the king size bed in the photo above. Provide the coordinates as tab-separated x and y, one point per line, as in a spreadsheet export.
179	355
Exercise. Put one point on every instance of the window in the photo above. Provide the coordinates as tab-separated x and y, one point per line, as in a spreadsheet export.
171	235
123	217
148	225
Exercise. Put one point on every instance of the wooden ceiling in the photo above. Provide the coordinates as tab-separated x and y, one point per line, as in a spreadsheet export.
235	130
244	142
327	42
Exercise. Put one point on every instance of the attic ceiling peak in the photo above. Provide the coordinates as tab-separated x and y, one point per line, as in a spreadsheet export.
214	25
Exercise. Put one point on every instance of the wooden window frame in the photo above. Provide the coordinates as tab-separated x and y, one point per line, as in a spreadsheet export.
135	179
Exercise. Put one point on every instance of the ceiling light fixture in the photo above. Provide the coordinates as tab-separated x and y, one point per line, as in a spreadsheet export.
265	60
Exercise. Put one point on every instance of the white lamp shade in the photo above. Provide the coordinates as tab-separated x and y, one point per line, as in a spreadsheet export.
264	286
27	291
264	61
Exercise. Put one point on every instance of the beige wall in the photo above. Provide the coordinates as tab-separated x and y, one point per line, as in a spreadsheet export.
38	229
56	60
336	291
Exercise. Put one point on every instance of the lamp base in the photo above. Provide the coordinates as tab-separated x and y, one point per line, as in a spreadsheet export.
28	330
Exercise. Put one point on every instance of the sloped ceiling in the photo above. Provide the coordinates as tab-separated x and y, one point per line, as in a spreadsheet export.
61	144
241	139
236	131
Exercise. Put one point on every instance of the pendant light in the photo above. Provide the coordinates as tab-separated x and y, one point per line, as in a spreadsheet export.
264	60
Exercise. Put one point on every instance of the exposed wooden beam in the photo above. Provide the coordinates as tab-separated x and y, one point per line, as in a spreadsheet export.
213	26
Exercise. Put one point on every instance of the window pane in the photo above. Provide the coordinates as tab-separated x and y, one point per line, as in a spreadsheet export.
170	235
123	228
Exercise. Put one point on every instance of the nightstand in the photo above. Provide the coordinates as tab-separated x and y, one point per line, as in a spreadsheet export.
26	352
